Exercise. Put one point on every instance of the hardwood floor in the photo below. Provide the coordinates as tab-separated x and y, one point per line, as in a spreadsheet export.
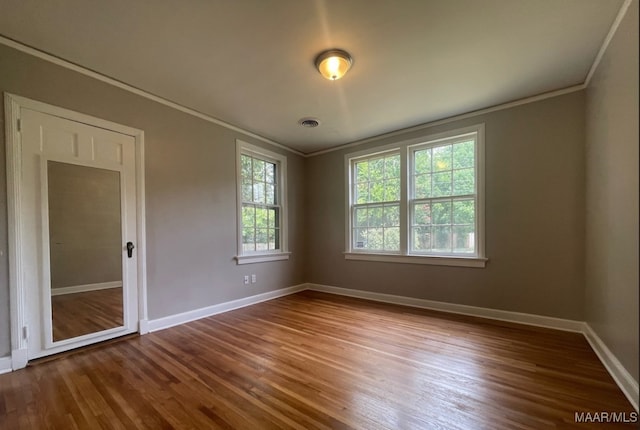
318	361
88	312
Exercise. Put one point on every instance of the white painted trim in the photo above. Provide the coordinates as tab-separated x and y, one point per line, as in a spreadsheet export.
261	258
283	253
18	316
19	358
620	375
141	230
85	288
494	314
5	365
417	259
605	44
185	317
17	307
460	117
405	150
103	78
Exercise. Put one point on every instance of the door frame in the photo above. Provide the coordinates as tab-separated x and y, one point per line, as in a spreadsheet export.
17	288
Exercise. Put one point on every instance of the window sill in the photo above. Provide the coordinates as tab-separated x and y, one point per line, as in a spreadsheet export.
418	259
261	258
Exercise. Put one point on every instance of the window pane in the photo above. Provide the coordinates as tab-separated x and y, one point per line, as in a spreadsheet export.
376	169
421	238
441	212
422	184
361	217
376	192
442	239
271	218
391	216
422	214
376	217
272	239
463	238
392	166
463	182
258	192
247	193
392	190
464	212
248	216
463	154
270	197
248	239
375	238
422	161
362	171
392	239
442	158
258	170
261	218
442	184
270	173
262	236
359	238
362	193
245	164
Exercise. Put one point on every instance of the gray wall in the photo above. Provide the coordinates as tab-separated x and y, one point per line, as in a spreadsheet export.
534	218
612	196
190	185
85	234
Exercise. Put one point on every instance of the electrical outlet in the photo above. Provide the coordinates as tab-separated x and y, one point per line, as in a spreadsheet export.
253	279
246	279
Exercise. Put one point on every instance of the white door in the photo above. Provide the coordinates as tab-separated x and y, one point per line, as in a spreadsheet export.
78	210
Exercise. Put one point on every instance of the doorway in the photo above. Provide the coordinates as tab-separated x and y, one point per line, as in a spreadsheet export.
76	229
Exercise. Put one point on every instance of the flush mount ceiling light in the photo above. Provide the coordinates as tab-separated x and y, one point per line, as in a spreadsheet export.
333	64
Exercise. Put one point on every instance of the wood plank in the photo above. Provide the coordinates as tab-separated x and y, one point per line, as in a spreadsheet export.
319	361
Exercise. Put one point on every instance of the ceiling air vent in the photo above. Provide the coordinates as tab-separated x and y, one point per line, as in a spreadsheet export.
309	122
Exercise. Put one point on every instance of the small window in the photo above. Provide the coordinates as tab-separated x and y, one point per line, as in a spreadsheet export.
261	205
419	201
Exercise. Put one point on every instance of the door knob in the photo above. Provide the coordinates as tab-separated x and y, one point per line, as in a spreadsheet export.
130	247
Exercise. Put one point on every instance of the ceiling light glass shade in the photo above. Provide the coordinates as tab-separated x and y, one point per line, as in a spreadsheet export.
333	64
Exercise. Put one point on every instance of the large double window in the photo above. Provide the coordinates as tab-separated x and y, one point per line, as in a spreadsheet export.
261	204
419	201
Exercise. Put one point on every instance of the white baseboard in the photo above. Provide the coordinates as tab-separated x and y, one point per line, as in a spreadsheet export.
495	314
143	327
5	365
185	317
623	378
84	288
19	358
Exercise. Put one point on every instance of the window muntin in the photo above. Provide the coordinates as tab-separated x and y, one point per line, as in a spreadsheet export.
261	204
439	202
376	209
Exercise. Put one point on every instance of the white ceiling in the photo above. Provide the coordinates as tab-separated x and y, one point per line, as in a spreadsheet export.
250	62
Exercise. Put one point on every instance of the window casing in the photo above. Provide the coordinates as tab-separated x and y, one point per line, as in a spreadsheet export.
420	201
262	211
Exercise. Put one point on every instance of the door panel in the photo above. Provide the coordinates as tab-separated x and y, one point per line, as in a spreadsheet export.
79	207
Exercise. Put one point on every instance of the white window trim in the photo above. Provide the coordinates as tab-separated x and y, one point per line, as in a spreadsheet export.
262	256
405	256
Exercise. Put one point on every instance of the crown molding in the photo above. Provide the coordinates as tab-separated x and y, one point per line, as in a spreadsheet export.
137	91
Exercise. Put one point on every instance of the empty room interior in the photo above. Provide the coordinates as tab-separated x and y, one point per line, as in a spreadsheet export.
319	214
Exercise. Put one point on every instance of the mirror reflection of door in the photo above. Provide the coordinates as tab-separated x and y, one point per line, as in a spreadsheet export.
85	245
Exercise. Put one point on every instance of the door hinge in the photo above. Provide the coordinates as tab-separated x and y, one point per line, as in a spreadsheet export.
19	124
25	332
